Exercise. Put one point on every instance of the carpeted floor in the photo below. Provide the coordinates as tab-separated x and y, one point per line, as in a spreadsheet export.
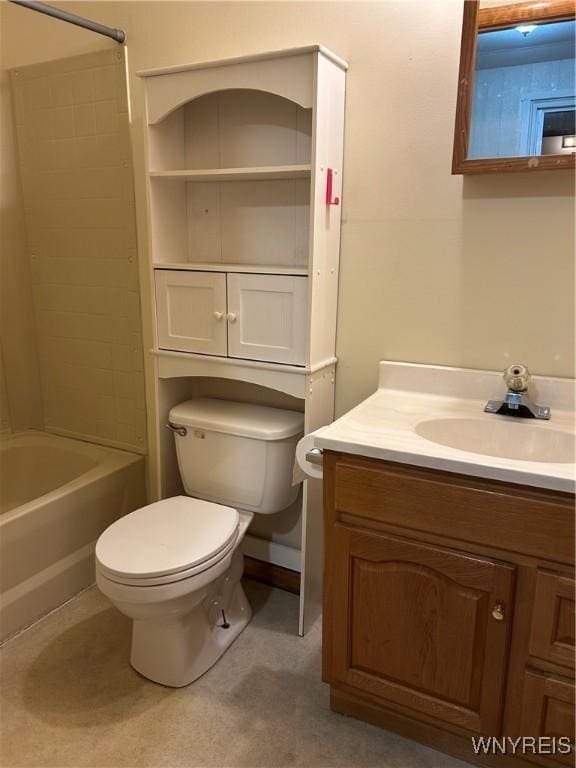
70	698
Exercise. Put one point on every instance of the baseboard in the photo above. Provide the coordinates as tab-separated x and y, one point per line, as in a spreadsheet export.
271	552
271	574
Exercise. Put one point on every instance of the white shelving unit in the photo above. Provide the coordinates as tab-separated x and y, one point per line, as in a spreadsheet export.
244	167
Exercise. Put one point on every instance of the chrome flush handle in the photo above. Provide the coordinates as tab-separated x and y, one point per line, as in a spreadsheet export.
182	431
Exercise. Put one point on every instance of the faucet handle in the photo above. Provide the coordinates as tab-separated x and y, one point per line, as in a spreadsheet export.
517	377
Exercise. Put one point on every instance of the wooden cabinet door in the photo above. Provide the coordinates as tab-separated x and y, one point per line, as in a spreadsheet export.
548	712
267	318
191	311
552	632
420	626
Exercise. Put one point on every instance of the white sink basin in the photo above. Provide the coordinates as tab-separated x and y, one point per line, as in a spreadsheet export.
511	439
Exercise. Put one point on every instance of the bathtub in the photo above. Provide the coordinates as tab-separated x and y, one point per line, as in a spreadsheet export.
56	497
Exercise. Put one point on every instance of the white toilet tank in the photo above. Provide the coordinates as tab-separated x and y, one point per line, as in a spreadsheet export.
237	454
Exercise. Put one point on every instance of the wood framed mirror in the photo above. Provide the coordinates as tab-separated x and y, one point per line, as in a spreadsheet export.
516	104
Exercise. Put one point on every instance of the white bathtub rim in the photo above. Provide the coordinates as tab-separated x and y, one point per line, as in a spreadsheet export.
117	445
109	461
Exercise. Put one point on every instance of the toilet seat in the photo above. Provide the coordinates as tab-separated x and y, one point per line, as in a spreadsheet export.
167	541
171	578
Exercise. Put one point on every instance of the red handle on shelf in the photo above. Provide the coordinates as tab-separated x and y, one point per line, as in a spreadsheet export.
329	181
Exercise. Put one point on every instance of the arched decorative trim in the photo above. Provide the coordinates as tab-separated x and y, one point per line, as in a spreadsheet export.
187	101
288	77
421	570
283	378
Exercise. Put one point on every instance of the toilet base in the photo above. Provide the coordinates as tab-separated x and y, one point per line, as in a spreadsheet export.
175	652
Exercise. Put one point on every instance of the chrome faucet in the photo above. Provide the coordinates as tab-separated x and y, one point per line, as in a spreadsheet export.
516	402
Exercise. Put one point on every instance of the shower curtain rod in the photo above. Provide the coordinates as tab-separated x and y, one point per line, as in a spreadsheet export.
116	34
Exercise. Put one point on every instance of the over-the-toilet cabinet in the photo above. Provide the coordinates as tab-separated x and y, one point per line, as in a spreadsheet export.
244	188
256	317
244	182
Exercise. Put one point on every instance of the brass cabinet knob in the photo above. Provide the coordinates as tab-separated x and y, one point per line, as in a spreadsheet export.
498	612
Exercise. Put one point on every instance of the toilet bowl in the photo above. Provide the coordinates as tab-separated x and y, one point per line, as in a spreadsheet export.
174	567
186	602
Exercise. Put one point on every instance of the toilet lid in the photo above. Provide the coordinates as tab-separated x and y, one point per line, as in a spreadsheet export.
166	537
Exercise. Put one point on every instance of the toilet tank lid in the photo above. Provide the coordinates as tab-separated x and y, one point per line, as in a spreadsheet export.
243	419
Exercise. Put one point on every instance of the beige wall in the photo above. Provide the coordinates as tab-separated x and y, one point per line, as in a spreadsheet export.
20	401
475	272
77	180
5	420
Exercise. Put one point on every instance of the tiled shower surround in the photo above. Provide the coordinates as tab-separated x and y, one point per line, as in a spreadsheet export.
76	168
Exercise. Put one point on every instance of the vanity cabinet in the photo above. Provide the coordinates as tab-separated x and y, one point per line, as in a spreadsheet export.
449	605
247	316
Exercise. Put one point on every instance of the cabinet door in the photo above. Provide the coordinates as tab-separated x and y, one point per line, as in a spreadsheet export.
267	318
548	713
191	311
553	616
420	626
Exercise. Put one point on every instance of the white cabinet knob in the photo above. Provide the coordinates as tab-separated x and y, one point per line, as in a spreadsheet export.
231	317
218	316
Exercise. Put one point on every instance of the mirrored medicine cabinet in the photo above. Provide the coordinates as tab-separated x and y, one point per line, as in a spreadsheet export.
516	105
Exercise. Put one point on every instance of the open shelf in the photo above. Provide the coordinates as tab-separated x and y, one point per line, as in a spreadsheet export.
234	131
261	269
229	179
268	173
233	222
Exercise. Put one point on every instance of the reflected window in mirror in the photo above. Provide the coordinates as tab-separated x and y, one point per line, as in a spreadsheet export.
517	90
524	90
558	131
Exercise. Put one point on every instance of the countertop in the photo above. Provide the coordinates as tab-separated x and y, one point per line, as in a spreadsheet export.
383	426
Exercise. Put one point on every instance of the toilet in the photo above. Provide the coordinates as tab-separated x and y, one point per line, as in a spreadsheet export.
175	567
